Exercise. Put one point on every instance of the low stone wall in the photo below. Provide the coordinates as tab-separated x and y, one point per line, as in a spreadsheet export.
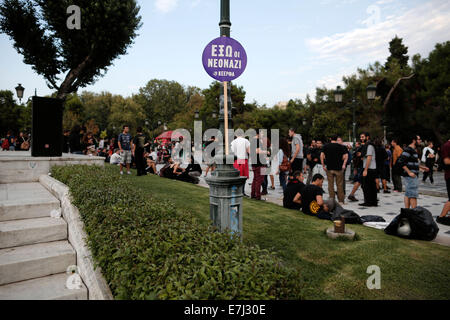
98	288
18	167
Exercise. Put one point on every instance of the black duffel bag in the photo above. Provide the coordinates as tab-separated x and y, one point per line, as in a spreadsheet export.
421	222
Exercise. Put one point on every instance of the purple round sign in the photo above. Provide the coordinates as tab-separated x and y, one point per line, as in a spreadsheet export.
224	59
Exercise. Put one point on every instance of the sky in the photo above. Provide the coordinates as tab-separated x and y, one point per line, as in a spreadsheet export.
293	46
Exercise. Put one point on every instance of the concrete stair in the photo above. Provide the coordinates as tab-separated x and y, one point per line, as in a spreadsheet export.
34	250
47	288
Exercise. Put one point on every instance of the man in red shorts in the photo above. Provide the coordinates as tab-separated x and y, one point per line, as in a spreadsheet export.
241	149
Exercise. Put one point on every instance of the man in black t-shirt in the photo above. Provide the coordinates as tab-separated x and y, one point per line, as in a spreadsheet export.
292	194
334	159
139	144
312	199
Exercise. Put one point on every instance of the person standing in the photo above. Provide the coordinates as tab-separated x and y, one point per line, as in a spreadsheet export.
297	151
409	162
334	159
125	142
241	149
75	140
429	158
257	167
139	144
284	165
357	171
66	141
369	174
445	153
396	170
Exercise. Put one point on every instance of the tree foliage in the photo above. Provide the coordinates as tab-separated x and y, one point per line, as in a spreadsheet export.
39	32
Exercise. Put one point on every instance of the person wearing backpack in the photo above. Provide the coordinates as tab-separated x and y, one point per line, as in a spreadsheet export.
139	145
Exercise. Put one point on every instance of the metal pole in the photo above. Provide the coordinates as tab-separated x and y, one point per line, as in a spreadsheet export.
225	23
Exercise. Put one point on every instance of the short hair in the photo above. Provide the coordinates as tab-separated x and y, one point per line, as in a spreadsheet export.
317	176
139	129
126	126
395	140
412	138
115	150
292	129
297	173
334	137
367	134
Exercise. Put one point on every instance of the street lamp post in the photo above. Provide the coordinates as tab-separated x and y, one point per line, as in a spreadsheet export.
226	186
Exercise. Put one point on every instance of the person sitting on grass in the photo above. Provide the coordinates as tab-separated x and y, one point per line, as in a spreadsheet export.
115	157
194	170
151	166
292	194
312	199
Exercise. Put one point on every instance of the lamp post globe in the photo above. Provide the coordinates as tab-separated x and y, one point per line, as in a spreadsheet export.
371	92
20	90
197	114
338	95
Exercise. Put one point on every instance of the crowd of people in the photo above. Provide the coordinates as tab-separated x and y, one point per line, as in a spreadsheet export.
301	168
372	165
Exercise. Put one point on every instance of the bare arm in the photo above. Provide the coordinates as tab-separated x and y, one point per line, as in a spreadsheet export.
322	159
298	198
345	161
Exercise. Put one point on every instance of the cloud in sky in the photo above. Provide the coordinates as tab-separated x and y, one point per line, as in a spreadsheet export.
166	6
420	27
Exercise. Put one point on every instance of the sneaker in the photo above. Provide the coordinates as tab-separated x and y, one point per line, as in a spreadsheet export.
386	191
352	199
129	173
443	220
121	173
264	193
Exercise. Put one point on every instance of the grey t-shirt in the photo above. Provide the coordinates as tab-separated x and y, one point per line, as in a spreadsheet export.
371	152
297	140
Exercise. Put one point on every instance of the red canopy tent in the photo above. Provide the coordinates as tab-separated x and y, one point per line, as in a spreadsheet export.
167	136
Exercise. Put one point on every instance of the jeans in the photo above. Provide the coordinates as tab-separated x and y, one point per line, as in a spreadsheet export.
397	180
339	175
370	188
283	176
257	182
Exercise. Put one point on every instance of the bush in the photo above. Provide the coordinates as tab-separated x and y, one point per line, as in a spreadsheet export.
148	249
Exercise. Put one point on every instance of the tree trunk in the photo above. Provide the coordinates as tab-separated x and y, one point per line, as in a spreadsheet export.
393	89
66	86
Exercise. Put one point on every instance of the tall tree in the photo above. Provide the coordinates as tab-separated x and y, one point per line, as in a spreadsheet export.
399	52
39	30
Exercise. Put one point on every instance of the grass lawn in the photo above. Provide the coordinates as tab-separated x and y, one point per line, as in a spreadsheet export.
330	269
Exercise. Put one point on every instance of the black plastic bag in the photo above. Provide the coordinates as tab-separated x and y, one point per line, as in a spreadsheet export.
350	216
365	219
423	226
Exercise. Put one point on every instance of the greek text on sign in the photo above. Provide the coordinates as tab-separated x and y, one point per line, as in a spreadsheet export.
224	59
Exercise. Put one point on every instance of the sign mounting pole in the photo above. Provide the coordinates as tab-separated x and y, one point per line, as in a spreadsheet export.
225	110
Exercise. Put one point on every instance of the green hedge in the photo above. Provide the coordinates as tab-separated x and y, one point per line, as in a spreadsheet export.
148	249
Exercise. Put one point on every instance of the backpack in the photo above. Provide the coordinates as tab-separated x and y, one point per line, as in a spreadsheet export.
285	165
5	144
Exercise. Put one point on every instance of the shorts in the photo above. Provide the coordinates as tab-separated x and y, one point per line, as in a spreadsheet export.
126	156
358	176
242	166
412	187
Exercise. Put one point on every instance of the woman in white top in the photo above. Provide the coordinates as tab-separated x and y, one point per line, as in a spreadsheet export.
428	157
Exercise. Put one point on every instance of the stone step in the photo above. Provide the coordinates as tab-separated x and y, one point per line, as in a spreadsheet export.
20	201
35	261
46	288
31	231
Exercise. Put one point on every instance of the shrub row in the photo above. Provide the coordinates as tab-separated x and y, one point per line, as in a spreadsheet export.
148	249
